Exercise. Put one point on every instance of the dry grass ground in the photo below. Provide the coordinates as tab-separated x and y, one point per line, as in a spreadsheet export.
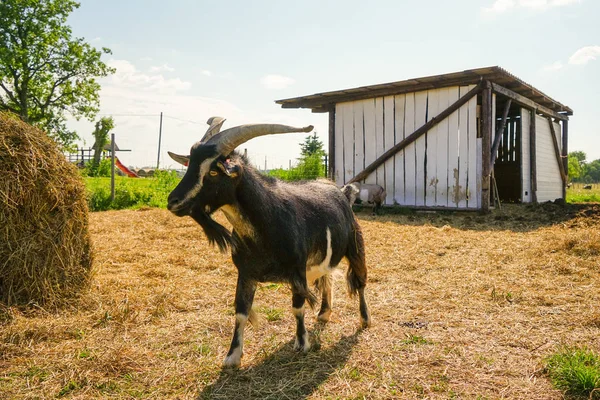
463	306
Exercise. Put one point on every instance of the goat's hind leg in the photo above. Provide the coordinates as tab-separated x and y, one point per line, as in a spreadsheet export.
357	274
300	294
244	296
324	285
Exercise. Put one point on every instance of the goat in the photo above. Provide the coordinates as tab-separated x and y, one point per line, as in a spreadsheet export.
588	187
282	232
369	193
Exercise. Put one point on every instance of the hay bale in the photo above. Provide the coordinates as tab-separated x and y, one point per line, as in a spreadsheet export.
45	251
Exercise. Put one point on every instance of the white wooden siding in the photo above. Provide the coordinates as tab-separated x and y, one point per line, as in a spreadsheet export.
439	169
525	156
549	181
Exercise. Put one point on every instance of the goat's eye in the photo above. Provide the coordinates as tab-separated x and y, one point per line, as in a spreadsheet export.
213	172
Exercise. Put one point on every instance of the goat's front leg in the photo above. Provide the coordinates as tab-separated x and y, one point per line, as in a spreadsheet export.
302	342
244	296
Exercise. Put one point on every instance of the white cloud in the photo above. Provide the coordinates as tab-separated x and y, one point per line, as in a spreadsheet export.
206	72
127	75
555	66
276	82
585	55
501	6
161	68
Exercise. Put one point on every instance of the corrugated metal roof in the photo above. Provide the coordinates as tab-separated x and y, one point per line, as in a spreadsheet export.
321	101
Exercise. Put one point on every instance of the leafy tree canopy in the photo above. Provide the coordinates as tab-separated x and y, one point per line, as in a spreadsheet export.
45	73
312	146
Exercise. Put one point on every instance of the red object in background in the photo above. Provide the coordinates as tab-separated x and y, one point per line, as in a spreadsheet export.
125	170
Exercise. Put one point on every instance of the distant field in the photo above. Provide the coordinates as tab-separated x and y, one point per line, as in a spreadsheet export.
577	194
464	306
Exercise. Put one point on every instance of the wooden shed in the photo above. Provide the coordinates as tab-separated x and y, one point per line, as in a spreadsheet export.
455	141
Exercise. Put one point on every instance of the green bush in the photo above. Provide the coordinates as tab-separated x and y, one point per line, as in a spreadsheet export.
310	167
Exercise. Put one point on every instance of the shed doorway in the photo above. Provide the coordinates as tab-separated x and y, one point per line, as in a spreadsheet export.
507	167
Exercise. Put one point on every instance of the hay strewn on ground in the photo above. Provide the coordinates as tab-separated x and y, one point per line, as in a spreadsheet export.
44	240
463	306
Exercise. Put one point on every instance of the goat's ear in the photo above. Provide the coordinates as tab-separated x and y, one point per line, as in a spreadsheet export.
183	160
229	168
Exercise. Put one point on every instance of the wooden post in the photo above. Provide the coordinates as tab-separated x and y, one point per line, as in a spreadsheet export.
532	157
112	167
486	135
565	153
159	139
331	171
557	152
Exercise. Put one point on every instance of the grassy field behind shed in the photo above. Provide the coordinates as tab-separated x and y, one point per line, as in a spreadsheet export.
463	306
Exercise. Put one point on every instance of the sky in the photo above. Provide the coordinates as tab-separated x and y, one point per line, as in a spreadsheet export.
193	59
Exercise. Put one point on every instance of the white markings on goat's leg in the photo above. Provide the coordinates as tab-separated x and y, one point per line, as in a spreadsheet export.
326	298
365	317
302	341
234	356
244	296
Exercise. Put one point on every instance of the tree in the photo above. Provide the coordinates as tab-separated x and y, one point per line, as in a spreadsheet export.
574	167
45	73
103	127
312	146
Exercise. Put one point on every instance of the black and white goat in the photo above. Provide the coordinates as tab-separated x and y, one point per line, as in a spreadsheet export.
282	232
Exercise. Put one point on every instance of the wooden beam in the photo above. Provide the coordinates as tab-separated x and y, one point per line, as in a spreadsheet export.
415	135
368	94
331	144
486	135
565	153
500	132
527	102
532	156
557	152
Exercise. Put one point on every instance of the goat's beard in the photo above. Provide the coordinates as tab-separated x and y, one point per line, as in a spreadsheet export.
216	233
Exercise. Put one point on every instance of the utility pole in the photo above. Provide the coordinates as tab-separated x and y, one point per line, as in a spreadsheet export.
159	138
112	167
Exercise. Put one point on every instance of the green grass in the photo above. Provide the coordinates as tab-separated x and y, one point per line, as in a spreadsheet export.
576	371
576	194
130	192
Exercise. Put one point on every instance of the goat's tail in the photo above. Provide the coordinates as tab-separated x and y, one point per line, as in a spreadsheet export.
356	276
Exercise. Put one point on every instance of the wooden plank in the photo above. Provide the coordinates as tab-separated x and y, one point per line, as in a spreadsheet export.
417	133
400	157
369	137
553	131
410	163
389	141
379	139
339	175
474	173
359	135
420	145
348	141
527	102
452	194
431	180
532	156
463	150
525	153
441	196
486	132
331	160
500	133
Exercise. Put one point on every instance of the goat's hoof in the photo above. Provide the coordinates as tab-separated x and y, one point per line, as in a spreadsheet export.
365	323
234	360
324	316
302	347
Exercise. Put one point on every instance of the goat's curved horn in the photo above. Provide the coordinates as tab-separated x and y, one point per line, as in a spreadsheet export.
215	124
231	138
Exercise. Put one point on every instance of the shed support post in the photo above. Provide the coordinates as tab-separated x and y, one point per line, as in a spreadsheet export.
532	156
565	153
331	172
486	135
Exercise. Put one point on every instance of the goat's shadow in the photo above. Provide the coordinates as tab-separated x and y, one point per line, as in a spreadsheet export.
284	374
